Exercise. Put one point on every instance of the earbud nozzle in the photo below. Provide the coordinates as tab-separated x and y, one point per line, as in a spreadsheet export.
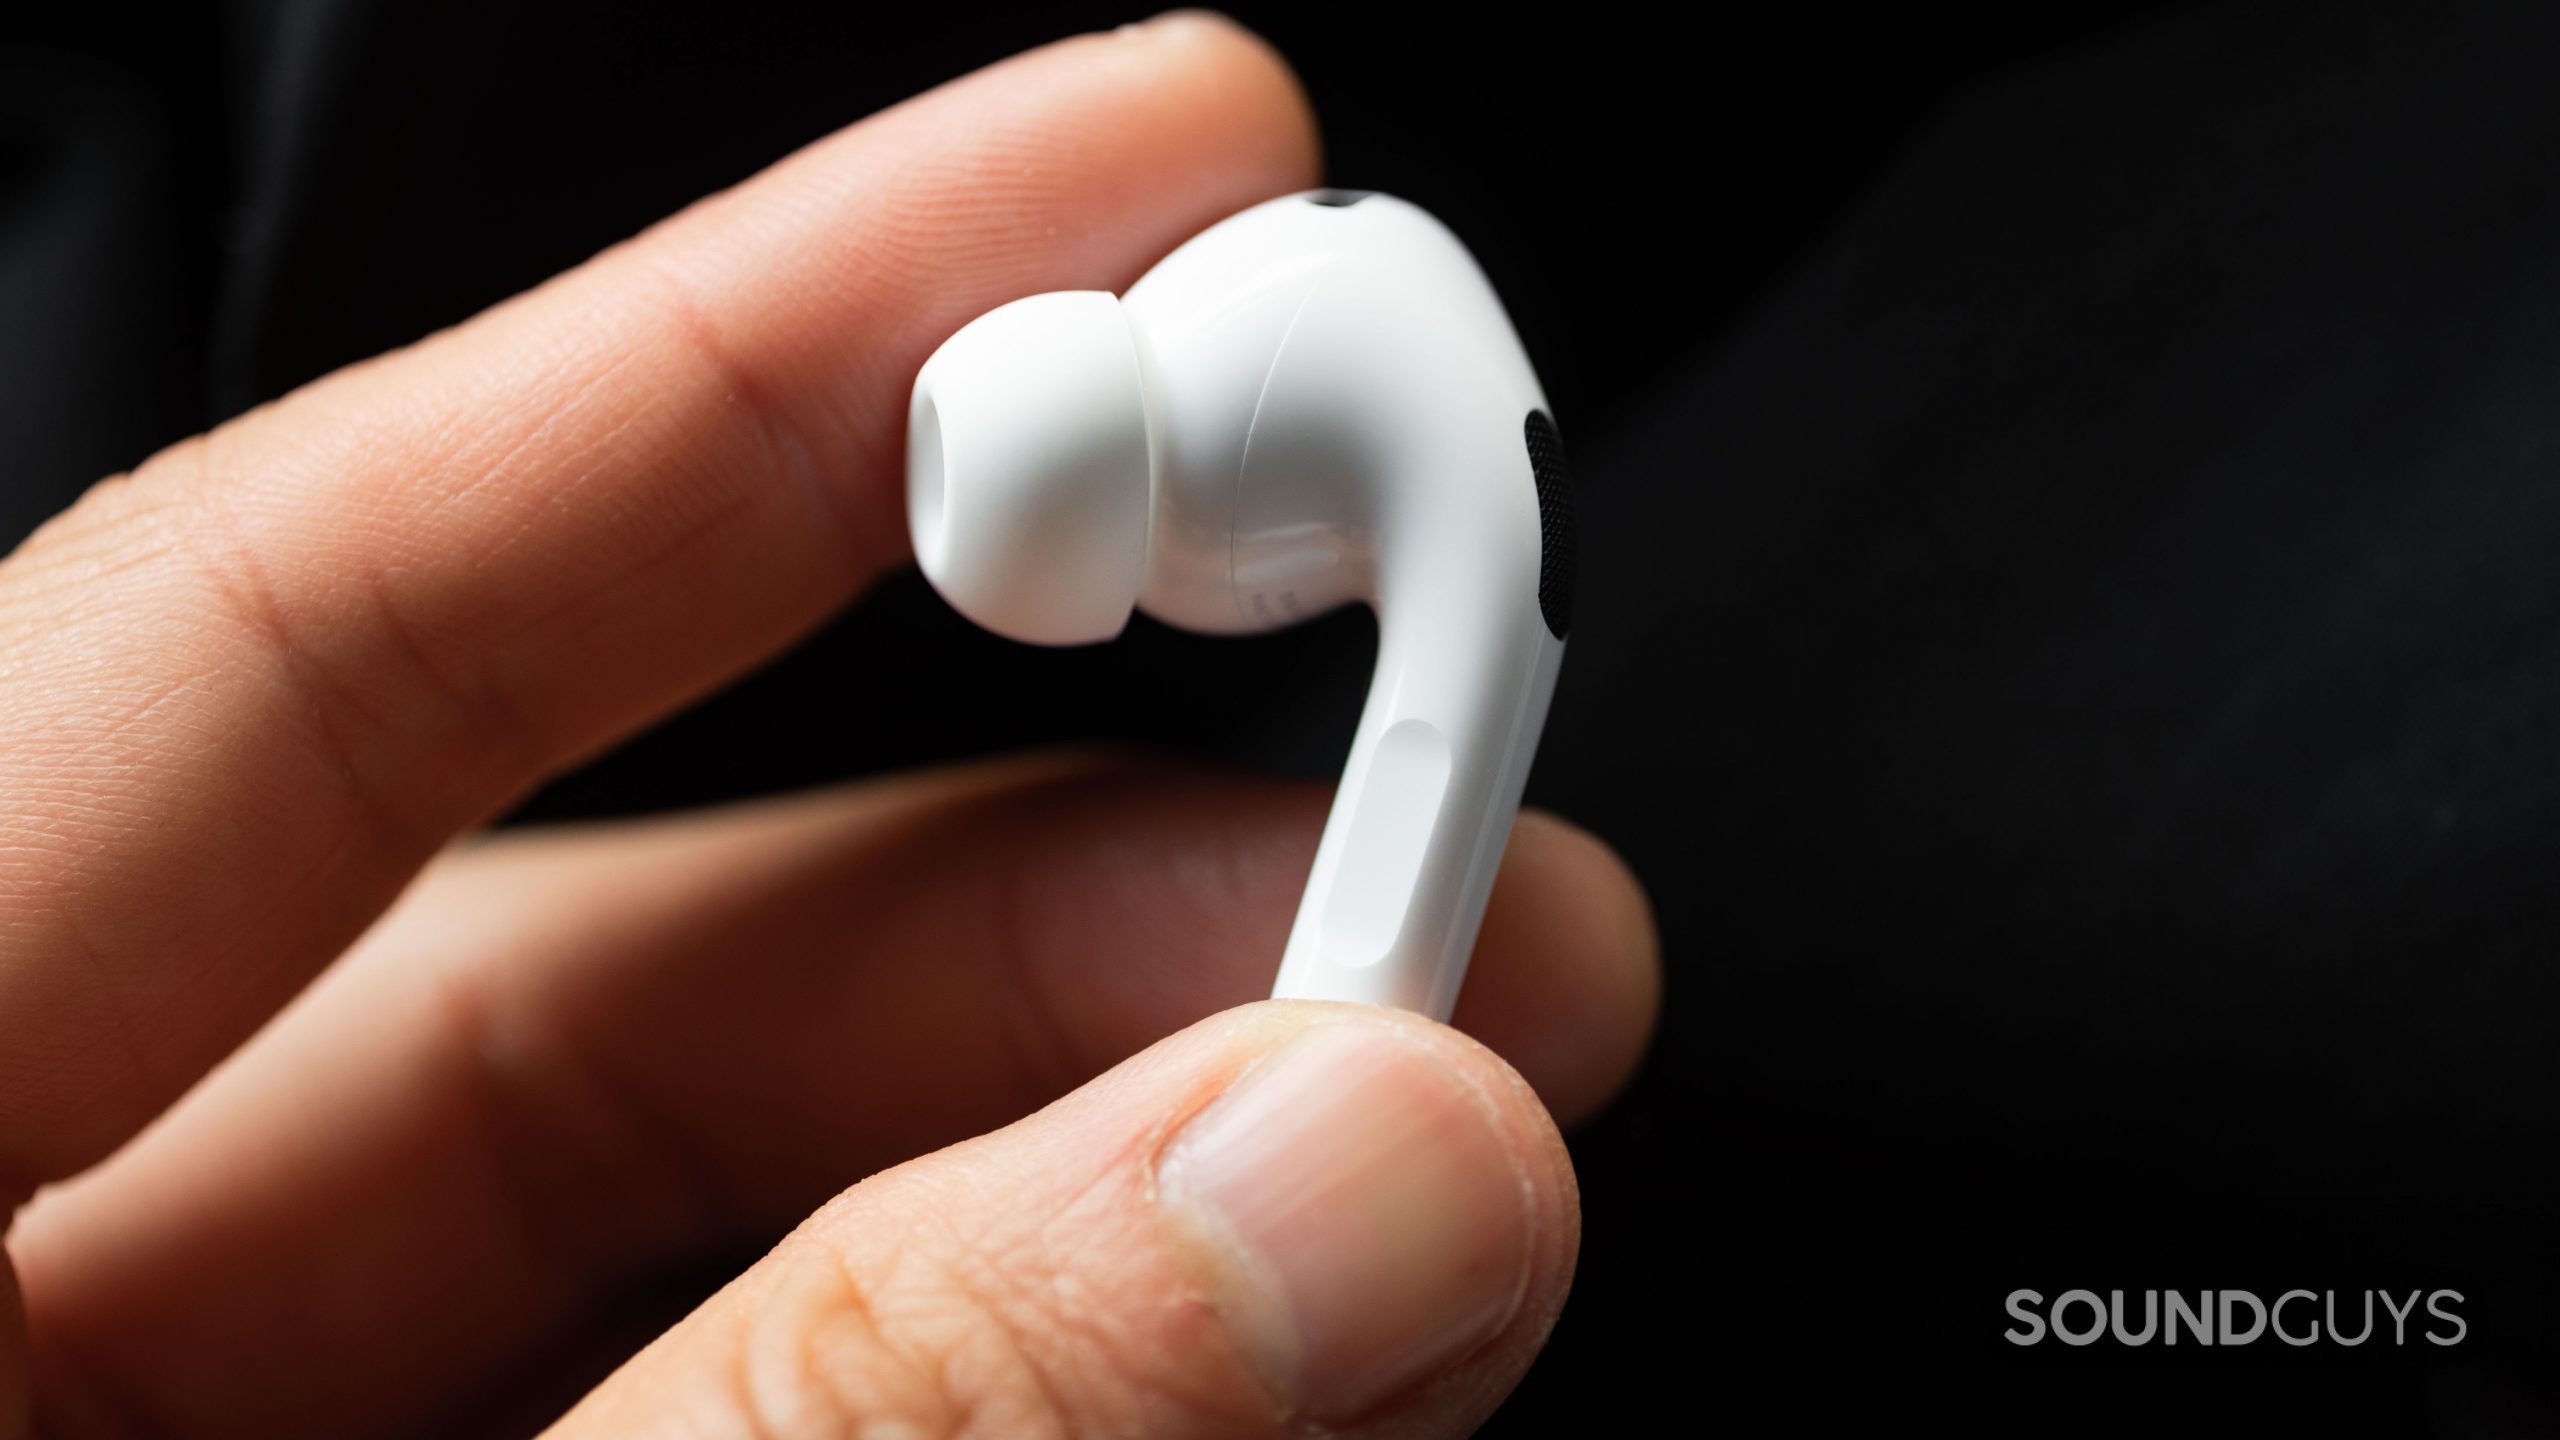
1028	475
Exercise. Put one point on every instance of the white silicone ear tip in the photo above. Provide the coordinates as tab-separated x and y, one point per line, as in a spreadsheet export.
1028	481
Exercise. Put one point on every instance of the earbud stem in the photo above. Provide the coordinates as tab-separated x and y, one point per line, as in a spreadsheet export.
1426	805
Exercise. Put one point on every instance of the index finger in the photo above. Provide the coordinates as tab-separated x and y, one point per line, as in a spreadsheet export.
248	690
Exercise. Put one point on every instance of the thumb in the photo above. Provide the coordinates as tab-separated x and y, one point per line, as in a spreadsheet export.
1288	1215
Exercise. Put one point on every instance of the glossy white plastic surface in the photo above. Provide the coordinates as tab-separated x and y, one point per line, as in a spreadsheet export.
1333	410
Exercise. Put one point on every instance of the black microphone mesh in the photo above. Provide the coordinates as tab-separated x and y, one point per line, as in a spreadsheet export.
1555	523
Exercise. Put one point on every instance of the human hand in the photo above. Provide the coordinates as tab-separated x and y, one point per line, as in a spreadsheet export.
250	693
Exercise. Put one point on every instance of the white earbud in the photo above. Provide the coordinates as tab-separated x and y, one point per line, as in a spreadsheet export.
1316	401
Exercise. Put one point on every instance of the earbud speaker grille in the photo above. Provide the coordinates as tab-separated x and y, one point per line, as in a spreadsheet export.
1555	523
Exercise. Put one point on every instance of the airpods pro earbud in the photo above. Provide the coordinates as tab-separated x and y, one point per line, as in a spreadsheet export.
1316	401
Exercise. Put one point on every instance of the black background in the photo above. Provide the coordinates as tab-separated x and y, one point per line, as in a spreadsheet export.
2070	632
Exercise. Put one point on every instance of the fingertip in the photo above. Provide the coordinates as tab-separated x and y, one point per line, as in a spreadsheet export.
1248	71
1567	980
1387	1212
1607	903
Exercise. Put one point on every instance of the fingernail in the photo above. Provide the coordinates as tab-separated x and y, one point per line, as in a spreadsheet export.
1369	1223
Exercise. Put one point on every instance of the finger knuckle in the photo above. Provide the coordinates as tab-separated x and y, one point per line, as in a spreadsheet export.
789	448
407	721
950	1335
895	1353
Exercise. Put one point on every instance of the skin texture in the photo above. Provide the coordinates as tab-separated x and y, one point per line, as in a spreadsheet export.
250	694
